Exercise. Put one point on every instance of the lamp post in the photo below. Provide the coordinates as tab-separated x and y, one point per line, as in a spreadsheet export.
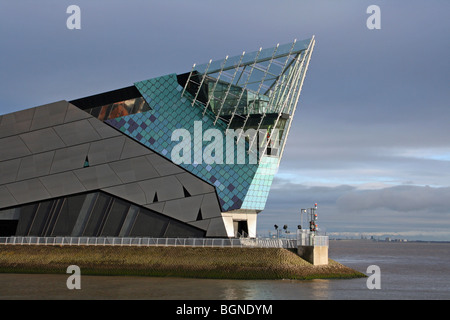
301	217
311	213
313	218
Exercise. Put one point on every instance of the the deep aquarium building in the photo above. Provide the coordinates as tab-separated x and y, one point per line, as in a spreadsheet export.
187	155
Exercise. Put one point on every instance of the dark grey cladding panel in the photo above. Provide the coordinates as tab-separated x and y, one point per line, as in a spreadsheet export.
96	177
210	206
28	191
70	158
16	122
74	114
167	188
134	149
104	130
6	199
149	187
193	184
35	165
77	132
163	166
8	170
106	150
49	115
131	192
62	184
185	209
216	228
134	169
42	140
157	206
202	224
12	147
176	228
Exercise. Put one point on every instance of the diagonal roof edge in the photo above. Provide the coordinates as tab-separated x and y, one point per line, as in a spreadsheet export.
249	58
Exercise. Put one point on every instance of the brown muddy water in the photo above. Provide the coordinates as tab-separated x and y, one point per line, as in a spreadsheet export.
411	270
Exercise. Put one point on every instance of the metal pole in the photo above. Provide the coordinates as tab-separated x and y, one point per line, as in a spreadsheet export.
201	83
211	94
189	79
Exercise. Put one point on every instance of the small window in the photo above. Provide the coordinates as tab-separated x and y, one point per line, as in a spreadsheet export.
119	109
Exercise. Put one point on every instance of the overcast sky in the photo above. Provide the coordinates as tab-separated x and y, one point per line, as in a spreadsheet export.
370	142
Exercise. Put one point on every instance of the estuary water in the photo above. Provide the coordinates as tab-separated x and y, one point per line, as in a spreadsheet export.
408	271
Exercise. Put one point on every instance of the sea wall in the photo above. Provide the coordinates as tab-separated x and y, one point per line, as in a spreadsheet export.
193	262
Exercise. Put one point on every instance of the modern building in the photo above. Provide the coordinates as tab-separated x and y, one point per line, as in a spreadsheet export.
187	155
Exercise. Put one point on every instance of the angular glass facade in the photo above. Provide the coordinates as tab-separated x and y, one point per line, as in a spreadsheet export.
257	91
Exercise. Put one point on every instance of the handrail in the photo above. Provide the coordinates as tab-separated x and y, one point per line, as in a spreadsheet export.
126	241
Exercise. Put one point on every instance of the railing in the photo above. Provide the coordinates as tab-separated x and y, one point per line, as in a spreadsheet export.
314	241
307	238
178	242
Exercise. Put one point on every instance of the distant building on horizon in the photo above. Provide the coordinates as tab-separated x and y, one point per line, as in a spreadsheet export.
104	165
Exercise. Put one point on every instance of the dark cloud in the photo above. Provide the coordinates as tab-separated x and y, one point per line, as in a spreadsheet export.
398	198
419	212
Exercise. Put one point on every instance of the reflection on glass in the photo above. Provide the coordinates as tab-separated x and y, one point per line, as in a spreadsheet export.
119	109
226	99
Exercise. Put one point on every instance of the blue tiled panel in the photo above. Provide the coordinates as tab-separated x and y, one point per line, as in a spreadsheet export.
259	188
170	111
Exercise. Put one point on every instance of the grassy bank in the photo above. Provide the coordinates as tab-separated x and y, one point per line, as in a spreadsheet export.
192	262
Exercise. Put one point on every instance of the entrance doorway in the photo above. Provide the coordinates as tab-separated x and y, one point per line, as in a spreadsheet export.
240	228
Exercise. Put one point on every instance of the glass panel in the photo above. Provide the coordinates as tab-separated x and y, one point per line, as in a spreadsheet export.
115	218
250	57
68	215
40	218
232	62
224	103
119	109
96	216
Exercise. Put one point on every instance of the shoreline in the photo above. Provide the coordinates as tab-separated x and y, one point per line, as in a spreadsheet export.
184	262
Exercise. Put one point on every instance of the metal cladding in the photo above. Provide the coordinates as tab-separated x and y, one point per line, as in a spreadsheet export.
104	165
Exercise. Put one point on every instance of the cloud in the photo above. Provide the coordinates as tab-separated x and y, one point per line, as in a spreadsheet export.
398	198
412	210
434	235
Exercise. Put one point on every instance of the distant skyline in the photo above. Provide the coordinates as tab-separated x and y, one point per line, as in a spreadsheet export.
370	141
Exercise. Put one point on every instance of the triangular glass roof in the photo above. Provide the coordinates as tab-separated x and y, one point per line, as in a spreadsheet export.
252	87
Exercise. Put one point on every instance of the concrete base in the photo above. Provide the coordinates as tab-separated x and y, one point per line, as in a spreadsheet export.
316	255
230	217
